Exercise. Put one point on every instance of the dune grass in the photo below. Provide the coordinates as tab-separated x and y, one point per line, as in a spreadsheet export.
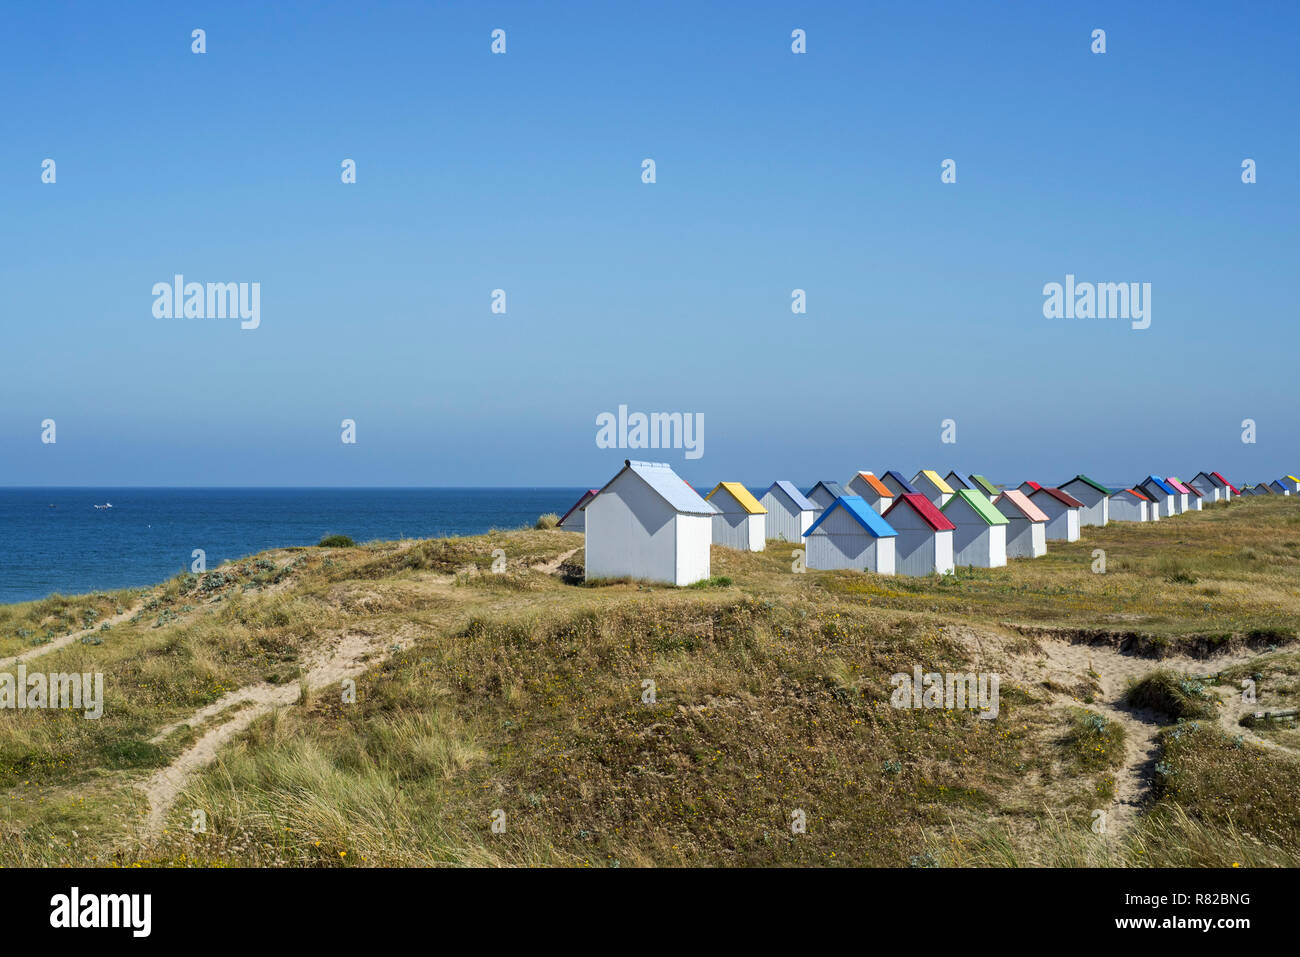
1174	695
632	724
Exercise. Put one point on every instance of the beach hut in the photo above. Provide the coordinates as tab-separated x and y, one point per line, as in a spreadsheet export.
824	493
876	493
931	484
1292	483
955	481
1094	496
923	545
1229	489
1129	505
574	519
1279	487
980	483
1062	511
895	482
1208	486
741	522
1029	488
646	522
1026	525
789	512
1193	494
1160	492
1225	490
980	538
850	534
1181	495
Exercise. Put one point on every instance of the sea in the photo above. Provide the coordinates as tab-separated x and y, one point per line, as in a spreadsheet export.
54	540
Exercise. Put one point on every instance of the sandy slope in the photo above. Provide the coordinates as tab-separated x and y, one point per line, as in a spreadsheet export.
1068	663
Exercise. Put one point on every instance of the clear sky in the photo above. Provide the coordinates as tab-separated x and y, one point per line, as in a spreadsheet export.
523	172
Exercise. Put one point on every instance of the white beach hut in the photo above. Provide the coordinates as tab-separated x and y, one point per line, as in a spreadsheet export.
574	519
789	512
741	522
1192	496
849	534
980	536
924	542
824	494
1026	525
648	523
1229	490
873	491
1129	505
1062	511
931	484
1160	492
1094	496
1181	495
1208	487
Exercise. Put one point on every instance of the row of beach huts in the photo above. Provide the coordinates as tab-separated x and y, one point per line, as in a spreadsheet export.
648	523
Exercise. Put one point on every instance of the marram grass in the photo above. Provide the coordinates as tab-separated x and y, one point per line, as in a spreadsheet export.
524	719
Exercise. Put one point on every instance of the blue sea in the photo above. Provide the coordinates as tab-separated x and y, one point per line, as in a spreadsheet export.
55	540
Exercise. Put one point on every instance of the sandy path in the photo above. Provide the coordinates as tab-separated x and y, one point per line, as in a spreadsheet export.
1068	663
66	640
551	567
352	655
347	659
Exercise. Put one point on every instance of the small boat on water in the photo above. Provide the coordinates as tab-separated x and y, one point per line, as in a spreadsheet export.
105	505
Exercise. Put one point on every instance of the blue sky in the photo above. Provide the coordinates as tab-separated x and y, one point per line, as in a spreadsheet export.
775	171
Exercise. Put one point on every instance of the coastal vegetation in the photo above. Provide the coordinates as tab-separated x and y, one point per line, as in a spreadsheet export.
471	701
